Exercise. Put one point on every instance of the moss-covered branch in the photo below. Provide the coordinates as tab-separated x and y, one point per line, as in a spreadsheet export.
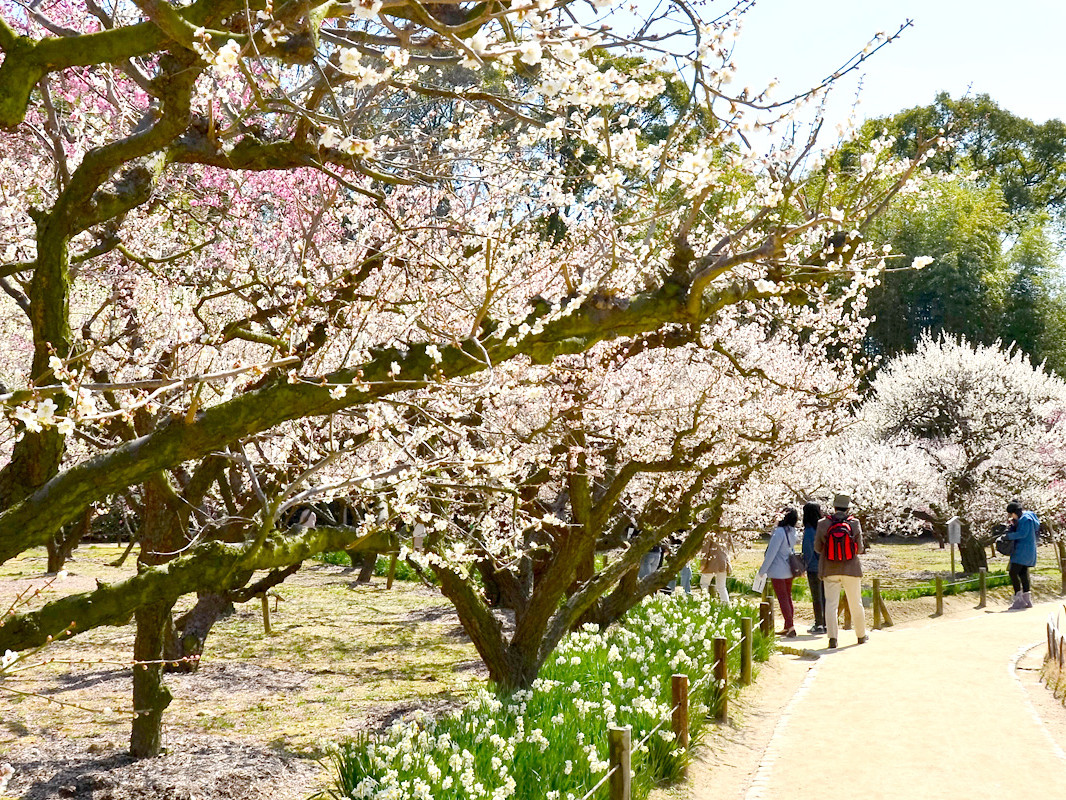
27	60
210	567
61	499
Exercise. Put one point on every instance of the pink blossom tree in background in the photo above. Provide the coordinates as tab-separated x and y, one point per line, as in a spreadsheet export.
464	260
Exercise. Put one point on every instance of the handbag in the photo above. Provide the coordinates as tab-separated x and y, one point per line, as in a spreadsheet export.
796	565
759	583
1005	546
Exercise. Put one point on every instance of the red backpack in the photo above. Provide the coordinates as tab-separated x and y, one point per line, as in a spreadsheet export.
839	546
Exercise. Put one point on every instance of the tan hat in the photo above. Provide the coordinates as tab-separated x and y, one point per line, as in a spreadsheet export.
842	501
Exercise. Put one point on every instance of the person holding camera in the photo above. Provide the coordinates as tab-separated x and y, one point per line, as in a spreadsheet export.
1022	529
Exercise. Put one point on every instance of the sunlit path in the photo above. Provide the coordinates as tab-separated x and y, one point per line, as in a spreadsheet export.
932	709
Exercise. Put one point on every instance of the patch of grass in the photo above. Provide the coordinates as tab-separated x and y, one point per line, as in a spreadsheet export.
550	741
404	571
351	652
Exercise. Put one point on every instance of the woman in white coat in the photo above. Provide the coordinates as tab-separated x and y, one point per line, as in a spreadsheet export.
775	566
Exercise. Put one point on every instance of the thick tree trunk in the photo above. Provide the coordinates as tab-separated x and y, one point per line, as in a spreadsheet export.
1060	546
162	534
973	554
367	562
150	695
61	545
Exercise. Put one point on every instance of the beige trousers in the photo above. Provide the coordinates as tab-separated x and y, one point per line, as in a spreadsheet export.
852	587
719	582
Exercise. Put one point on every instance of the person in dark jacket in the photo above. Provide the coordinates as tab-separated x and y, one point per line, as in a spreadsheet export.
1022	530
812	515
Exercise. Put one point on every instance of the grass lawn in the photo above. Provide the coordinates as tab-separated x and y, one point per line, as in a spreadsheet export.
340	658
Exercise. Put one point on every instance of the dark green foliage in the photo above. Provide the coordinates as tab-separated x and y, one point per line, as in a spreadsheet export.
995	207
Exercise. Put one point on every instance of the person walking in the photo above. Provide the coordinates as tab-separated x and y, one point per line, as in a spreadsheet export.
838	542
812	515
685	575
714	563
1022	530
775	566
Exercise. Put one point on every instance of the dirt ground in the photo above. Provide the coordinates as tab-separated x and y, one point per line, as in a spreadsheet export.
255	720
948	707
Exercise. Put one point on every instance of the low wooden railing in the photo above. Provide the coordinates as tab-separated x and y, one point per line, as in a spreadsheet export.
620	747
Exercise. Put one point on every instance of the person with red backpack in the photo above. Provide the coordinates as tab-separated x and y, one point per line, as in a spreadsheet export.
838	542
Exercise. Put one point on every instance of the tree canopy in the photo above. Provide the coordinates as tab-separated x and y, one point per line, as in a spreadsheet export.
991	219
268	255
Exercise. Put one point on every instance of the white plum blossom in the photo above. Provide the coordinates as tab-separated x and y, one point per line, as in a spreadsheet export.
226	59
530	52
479	42
330	138
349	60
361	9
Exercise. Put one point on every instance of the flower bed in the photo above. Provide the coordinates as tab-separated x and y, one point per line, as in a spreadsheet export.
551	741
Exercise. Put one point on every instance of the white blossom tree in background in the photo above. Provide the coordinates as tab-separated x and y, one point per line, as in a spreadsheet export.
952	429
991	424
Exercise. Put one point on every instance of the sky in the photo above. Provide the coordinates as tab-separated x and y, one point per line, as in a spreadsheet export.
1013	51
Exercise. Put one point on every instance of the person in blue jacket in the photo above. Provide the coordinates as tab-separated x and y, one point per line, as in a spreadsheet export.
812	514
1023	529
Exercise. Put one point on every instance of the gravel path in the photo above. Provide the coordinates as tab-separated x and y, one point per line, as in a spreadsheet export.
935	708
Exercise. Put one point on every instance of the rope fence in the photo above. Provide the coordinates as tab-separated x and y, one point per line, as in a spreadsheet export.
1056	640
620	746
882	617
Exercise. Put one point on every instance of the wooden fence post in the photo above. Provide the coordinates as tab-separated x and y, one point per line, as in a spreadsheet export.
721	675
745	651
1062	647
620	758
392	571
983	577
886	618
1050	642
266	612
679	720
939	597
766	617
877	603
1061	546
843	603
